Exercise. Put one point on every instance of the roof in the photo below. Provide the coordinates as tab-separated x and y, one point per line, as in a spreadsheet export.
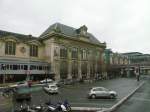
132	53
18	36
68	31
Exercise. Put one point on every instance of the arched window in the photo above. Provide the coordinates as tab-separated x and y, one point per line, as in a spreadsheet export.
10	48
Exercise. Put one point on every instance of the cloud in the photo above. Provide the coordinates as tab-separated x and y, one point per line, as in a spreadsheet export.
123	24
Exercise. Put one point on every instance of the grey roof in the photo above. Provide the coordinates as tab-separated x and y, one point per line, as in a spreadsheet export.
68	31
132	53
18	36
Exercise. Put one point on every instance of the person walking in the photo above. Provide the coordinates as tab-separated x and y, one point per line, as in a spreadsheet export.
137	75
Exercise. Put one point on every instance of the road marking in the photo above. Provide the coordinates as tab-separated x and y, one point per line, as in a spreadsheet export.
94	104
141	99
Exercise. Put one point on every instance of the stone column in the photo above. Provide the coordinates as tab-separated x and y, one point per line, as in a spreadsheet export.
95	69
57	70
88	69
69	69
79	70
69	64
79	65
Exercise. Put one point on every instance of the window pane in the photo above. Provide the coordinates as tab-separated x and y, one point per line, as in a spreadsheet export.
63	52
10	48
33	50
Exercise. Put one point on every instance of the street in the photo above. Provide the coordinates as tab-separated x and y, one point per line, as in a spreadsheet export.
77	94
139	102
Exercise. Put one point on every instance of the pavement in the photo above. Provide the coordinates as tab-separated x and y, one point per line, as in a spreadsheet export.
139	102
77	94
5	104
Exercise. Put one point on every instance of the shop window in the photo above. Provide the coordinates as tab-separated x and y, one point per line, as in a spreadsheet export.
40	67
14	67
25	67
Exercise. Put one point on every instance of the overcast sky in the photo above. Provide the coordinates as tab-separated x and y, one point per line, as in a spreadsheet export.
123	24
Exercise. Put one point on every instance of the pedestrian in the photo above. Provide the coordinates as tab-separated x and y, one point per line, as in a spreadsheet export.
138	76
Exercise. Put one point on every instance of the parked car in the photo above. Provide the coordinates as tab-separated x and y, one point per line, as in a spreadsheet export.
46	81
22	93
51	88
97	92
23	83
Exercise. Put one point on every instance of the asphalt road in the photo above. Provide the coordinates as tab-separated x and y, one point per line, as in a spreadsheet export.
139	102
77	94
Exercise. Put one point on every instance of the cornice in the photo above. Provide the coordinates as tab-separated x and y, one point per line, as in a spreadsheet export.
50	35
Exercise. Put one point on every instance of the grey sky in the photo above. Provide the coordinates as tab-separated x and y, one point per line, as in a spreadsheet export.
123	24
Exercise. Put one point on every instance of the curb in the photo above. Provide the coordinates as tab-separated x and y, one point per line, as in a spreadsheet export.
114	107
87	109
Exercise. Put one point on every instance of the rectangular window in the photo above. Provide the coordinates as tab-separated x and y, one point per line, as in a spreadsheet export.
18	67
34	50
40	67
63	52
10	48
32	67
21	67
7	67
25	67
14	67
11	67
74	53
84	54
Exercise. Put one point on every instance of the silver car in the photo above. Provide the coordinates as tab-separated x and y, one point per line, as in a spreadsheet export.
96	92
52	89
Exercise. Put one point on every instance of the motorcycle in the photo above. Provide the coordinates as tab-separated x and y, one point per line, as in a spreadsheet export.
59	107
39	108
67	105
28	109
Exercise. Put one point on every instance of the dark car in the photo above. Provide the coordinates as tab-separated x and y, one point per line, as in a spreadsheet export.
22	93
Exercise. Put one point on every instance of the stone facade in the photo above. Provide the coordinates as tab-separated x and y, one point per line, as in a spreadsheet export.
114	62
63	52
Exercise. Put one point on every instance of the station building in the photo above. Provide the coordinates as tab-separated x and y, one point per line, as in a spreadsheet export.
60	52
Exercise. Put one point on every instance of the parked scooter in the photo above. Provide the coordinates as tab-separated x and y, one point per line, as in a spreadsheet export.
39	108
59	107
67	105
24	109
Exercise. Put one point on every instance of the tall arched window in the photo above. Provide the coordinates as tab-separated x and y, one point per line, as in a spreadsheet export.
10	48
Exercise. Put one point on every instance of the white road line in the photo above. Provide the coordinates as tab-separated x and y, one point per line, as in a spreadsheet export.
92	104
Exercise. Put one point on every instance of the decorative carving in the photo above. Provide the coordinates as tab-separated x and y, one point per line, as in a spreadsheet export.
23	49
